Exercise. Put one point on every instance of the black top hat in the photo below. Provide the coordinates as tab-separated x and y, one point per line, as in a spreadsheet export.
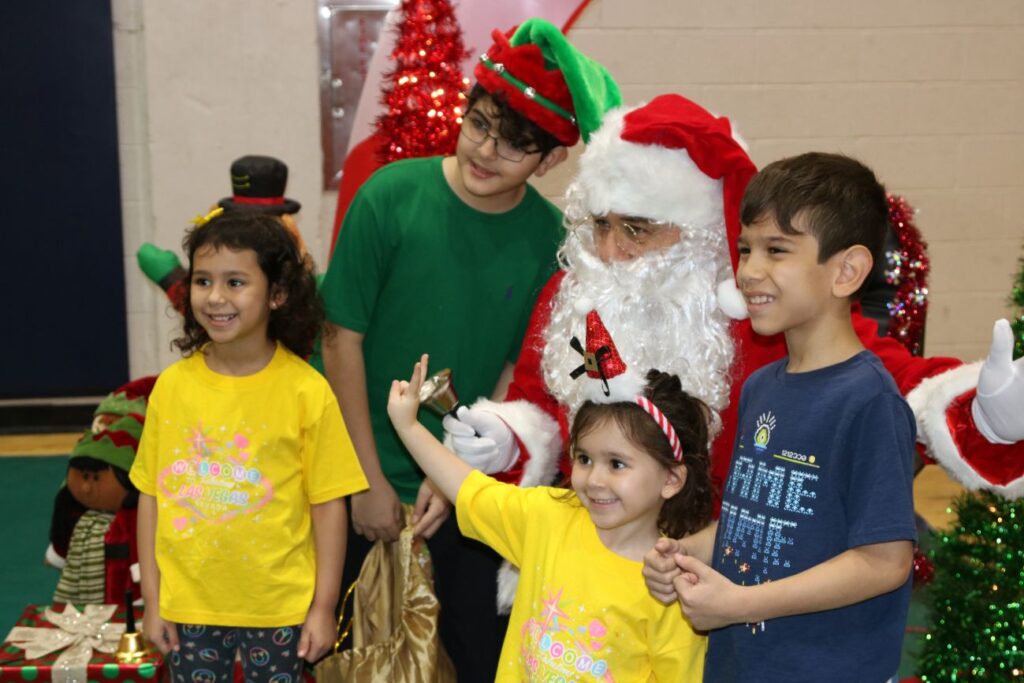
258	184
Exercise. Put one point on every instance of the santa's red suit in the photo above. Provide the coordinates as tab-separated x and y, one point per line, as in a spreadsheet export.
939	390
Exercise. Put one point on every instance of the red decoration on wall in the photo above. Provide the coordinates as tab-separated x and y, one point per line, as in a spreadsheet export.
423	105
907	269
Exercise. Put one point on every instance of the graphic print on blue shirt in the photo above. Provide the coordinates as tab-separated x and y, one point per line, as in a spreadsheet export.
780	486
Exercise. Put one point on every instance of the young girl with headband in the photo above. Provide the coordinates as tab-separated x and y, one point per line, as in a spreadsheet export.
581	611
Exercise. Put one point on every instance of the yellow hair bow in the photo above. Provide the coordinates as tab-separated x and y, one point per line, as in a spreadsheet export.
199	221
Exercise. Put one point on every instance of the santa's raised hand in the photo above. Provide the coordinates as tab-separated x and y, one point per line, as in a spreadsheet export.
998	407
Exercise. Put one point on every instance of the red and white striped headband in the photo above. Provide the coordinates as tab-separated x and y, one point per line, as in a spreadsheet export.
666	426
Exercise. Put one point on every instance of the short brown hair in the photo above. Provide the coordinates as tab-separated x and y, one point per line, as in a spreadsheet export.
839	200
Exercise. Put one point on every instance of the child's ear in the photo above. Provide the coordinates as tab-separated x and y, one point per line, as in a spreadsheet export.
550	160
855	265
278	297
675	480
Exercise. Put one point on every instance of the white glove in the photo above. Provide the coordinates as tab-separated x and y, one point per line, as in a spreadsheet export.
998	407
482	440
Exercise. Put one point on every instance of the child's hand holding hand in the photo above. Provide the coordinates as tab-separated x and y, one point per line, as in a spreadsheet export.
708	599
660	569
318	633
404	399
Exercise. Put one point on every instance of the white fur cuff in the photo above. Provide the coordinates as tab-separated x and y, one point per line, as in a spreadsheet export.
538	432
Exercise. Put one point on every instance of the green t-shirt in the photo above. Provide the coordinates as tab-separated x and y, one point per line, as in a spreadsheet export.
417	271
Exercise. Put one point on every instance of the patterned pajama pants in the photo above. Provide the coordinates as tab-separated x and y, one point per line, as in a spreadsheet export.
207	654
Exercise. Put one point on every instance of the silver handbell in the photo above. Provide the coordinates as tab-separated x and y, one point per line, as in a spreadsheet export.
438	393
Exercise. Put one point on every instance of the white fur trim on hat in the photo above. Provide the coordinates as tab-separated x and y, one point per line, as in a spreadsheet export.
646	180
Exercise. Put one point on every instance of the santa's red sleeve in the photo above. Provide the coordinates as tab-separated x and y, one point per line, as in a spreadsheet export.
940	392
534	416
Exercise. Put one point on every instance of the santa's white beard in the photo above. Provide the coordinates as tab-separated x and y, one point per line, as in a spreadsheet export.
660	310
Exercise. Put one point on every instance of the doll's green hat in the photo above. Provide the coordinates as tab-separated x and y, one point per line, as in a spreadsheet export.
547	80
127	398
116	445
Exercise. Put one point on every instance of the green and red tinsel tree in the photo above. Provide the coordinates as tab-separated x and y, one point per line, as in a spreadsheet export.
977	595
424	101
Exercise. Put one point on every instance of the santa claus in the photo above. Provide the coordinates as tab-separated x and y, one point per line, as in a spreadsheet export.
653	217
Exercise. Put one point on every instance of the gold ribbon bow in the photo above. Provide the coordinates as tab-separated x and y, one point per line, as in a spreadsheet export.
77	633
200	220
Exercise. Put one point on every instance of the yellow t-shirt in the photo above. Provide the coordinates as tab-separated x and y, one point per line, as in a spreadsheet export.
234	464
581	612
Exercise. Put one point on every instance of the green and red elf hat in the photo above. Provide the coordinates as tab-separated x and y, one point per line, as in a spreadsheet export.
547	80
116	445
127	399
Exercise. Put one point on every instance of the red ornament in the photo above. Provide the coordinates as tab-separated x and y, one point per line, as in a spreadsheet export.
924	568
424	99
908	268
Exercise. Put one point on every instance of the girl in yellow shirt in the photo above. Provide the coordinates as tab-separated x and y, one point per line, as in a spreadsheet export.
581	611
242	467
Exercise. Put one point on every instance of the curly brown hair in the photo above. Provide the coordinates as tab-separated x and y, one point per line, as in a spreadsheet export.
690	509
300	317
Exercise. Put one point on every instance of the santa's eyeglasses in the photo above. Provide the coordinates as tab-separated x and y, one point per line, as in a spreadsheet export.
633	234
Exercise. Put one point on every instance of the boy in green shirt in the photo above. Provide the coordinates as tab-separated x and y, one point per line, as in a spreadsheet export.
446	255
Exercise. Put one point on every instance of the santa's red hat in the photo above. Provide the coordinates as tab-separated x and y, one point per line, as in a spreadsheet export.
670	160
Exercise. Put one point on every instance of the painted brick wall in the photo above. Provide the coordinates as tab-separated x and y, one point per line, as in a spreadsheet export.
927	92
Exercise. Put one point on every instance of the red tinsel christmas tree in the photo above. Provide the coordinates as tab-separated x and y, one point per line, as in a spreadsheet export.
424	99
908	270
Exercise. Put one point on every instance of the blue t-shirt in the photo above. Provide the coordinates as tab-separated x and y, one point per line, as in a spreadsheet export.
822	464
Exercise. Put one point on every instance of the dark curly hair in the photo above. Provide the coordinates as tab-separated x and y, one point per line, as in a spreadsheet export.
690	509
512	125
300	318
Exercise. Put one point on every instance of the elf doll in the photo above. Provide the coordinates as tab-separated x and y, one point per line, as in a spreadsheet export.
92	533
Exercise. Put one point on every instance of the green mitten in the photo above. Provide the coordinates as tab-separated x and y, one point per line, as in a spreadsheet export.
157	263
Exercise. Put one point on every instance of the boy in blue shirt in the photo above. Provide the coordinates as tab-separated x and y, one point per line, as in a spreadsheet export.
807	571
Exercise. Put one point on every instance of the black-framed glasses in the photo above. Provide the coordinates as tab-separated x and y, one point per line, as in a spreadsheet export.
477	130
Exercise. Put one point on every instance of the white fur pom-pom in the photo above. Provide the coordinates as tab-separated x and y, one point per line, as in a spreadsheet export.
730	300
583	305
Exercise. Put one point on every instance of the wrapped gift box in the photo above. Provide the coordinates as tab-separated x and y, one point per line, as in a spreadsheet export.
101	667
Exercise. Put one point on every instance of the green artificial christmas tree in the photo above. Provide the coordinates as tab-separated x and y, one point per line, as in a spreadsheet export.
1017	300
977	597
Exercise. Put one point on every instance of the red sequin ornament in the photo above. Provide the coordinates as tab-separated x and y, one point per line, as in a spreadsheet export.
924	568
907	268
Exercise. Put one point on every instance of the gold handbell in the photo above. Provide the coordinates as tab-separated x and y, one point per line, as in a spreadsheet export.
131	647
438	393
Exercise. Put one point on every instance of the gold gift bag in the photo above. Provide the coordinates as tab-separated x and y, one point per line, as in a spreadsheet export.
394	624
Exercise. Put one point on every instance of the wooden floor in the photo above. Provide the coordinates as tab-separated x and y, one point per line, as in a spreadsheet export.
933	490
